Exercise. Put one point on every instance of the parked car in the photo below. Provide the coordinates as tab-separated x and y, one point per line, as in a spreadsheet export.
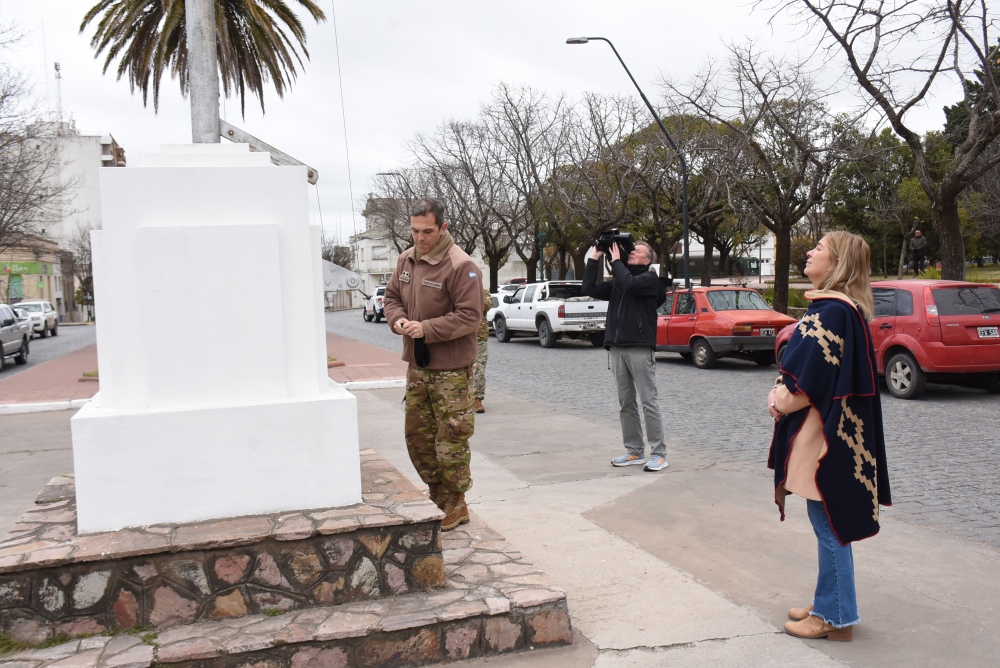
551	311
706	323
502	291
44	318
15	333
932	330
374	305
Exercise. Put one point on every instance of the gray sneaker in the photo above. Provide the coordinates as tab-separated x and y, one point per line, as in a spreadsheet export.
628	459
655	463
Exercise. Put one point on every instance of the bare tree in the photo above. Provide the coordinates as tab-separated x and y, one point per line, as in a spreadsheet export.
784	143
898	53
32	194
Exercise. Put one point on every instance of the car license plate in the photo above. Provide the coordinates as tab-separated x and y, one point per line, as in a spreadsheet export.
989	332
590	325
767	331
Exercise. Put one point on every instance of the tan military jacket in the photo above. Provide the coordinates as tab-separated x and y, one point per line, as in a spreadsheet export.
444	291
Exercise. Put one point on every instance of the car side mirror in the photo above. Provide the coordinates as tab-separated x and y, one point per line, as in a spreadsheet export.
506	299
8	322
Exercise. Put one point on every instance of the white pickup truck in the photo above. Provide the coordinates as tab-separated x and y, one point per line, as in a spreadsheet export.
550	311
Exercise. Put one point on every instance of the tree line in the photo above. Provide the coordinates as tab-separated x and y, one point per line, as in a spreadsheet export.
538	176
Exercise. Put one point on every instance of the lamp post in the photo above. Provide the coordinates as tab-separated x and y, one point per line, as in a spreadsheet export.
680	156
203	71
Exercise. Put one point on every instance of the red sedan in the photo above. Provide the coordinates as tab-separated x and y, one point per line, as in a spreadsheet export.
929	329
706	323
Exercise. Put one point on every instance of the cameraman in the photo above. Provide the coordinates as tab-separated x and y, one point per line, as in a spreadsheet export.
634	293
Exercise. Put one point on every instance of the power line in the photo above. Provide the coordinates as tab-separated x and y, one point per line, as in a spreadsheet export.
343	112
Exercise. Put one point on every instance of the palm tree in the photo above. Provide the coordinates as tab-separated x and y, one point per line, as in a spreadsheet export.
256	43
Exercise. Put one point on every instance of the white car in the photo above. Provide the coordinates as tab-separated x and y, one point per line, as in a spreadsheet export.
497	297
44	319
374	305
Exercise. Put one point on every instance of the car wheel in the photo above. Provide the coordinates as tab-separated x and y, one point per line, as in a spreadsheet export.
702	354
55	330
45	332
597	339
992	383
500	328
3	360
364	314
378	317
763	358
546	336
22	355
781	353
904	377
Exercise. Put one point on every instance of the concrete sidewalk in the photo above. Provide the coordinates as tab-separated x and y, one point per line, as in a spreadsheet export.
686	567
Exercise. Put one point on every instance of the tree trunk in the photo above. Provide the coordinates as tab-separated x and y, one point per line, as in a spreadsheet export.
949	230
782	260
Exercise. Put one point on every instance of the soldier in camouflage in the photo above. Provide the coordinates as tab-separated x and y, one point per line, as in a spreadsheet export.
479	366
435	301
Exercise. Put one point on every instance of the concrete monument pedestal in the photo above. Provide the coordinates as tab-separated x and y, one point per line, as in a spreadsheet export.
214	396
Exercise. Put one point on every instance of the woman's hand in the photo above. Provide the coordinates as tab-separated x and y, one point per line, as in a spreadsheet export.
771	408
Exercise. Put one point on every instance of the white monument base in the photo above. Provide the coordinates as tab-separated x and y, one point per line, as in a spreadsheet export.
187	465
211	343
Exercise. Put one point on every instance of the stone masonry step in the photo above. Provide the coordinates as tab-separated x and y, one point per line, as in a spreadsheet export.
54	582
494	602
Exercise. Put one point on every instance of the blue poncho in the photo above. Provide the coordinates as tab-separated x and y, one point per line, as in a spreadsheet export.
831	360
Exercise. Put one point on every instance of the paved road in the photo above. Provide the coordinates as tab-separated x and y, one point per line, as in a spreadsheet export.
70	338
944	461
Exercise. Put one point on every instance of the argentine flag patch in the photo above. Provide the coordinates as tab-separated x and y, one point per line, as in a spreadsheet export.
472	274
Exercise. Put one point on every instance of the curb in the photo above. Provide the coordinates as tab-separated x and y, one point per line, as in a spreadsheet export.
16	409
43	407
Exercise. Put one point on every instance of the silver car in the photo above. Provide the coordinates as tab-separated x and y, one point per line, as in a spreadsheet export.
15	333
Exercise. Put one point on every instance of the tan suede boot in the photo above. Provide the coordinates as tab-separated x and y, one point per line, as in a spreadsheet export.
812	627
478	406
798	614
456	512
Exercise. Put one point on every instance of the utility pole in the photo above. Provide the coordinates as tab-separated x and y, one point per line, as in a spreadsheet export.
203	70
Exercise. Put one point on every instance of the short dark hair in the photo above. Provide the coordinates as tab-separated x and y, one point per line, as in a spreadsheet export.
427	205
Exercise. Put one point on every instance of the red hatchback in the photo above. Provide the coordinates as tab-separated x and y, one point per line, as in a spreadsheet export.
928	329
706	323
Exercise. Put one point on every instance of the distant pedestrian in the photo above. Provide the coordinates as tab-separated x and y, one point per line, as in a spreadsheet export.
435	300
918	251
828	444
479	366
634	293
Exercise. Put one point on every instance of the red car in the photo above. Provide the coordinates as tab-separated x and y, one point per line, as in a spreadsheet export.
706	323
927	329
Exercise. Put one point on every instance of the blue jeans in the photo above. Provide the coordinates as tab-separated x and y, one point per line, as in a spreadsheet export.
836	600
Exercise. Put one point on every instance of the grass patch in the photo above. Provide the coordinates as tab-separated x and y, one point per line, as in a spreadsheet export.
90	374
274	613
9	644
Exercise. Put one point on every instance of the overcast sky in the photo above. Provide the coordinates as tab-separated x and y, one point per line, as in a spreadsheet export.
405	67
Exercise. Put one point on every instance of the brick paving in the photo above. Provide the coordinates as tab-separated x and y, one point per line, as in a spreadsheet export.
58	380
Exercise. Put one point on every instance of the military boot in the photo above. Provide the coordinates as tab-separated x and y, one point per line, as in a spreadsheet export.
478	406
456	512
439	495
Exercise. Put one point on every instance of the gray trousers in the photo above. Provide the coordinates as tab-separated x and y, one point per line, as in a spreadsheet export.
635	376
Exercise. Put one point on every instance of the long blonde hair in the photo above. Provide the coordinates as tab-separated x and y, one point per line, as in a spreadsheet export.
851	267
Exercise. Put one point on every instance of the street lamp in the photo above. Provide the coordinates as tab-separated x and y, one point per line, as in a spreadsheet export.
680	156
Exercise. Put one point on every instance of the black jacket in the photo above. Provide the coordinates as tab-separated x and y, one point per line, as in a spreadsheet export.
633	295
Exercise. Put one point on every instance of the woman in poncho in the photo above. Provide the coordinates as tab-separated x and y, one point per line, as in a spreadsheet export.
828	445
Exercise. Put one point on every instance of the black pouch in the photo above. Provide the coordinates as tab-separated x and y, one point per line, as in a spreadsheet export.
421	353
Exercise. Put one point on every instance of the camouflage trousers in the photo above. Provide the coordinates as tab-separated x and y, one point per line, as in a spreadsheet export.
439	422
479	373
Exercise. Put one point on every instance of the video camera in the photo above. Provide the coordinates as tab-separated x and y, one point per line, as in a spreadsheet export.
623	239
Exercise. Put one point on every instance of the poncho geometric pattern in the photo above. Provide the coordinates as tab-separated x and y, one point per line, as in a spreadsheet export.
831	360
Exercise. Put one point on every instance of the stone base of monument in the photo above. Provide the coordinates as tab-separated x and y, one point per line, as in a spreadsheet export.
374	584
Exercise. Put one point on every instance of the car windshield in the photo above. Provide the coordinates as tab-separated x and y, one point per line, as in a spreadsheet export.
736	300
975	300
557	291
34	308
